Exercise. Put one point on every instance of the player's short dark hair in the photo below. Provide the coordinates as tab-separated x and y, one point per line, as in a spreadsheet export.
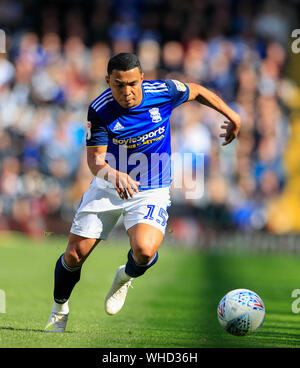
123	61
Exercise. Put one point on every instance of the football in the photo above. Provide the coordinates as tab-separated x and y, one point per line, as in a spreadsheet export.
241	312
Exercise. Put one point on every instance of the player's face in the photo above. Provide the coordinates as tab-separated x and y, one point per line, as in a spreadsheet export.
126	87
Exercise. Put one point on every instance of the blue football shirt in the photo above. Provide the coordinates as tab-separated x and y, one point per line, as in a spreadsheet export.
138	139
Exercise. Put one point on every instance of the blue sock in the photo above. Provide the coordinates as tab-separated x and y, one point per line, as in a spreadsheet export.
135	269
65	278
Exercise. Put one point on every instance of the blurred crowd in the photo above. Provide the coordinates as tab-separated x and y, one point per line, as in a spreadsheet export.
55	66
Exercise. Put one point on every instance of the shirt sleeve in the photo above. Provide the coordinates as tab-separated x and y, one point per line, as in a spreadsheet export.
96	131
179	92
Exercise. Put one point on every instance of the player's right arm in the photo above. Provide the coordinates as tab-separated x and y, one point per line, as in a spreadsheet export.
122	182
96	141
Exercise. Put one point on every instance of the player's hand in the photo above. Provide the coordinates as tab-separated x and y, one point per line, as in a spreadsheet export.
232	128
125	185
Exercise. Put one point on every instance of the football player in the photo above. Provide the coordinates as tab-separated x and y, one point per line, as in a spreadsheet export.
129	153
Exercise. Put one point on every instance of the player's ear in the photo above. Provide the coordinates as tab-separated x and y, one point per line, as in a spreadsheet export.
142	76
107	79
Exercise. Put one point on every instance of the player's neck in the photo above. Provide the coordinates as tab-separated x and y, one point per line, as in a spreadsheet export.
139	101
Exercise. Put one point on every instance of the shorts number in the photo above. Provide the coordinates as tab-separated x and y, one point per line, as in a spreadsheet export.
161	213
149	215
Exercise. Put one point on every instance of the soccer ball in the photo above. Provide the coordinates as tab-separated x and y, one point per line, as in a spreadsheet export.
241	312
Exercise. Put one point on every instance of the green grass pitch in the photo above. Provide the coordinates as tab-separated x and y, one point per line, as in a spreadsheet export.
172	306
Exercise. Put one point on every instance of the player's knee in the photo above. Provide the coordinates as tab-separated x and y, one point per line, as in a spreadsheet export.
143	254
73	258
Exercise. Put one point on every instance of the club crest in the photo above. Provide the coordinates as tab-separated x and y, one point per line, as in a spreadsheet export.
155	115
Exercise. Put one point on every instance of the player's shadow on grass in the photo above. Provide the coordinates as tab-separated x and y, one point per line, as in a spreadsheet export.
27	329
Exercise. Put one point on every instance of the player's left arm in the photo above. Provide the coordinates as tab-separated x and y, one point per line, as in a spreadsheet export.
210	99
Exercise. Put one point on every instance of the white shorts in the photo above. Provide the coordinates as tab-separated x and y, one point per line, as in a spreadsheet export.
101	207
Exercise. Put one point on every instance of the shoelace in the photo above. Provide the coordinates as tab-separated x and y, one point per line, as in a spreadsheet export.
59	320
121	289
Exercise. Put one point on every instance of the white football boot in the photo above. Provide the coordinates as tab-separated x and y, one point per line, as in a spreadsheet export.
116	296
58	319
